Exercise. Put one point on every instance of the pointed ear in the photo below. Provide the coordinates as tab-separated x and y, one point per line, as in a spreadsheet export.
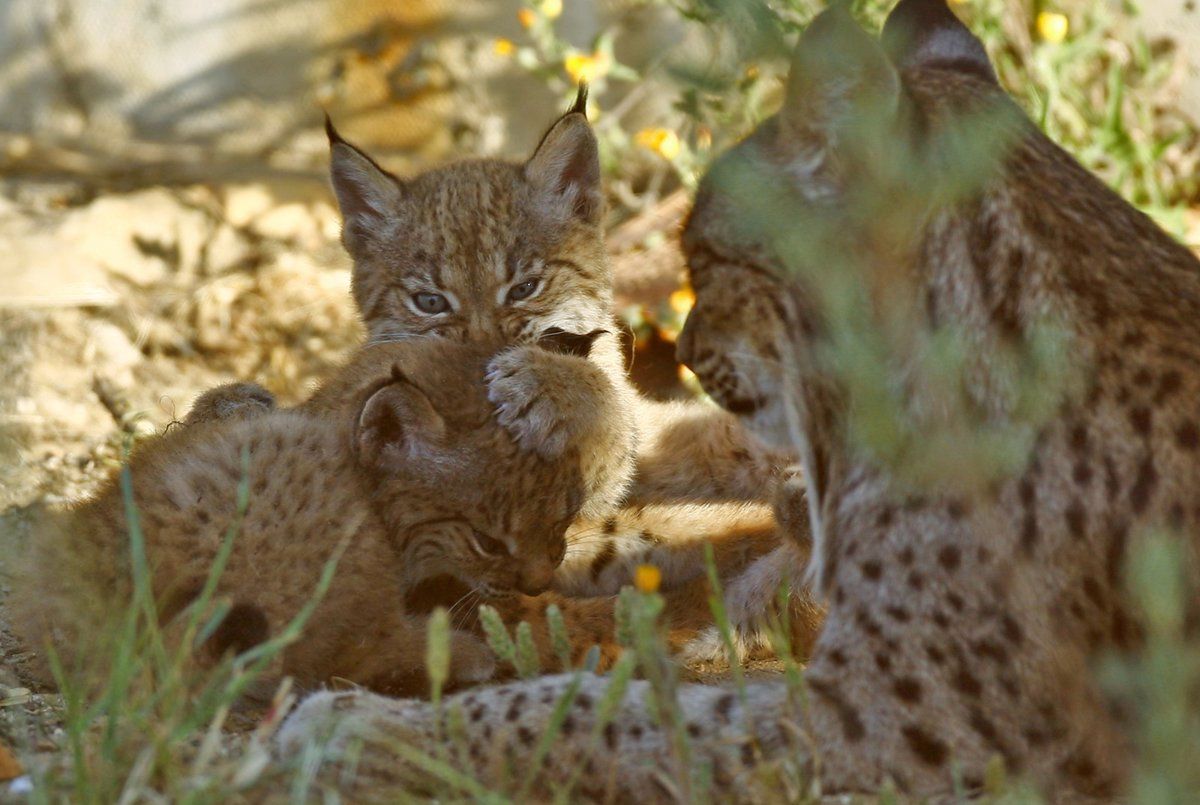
565	169
926	32
838	72
397	423
556	339
366	193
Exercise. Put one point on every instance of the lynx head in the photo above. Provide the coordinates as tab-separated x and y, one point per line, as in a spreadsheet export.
479	249
828	182
467	509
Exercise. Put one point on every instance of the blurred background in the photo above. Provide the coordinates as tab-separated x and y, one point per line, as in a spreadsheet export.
166	223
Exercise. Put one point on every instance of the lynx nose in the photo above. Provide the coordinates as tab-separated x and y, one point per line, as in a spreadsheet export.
535	580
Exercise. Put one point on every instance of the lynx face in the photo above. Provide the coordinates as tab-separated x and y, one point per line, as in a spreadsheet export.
479	249
472	511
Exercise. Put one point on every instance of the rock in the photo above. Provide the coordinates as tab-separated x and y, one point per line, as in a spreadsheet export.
110	352
246	202
292	223
142	237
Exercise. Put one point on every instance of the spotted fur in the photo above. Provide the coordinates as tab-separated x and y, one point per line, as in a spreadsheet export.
959	629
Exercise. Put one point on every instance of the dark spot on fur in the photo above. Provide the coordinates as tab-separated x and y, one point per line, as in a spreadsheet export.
1115	555
1078	439
852	726
607	554
610	735
916	581
1143	485
955	601
906	555
956	509
837	657
610	525
964	682
929	750
525	736
1010	629
908	689
884	520
934	654
989	650
583	702
1076	520
694	730
747	754
872	570
949	557
884	662
897	613
1187	436
723	707
514	707
1091	588
1139	419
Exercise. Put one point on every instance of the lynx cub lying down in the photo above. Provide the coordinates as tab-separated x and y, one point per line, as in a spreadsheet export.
403	463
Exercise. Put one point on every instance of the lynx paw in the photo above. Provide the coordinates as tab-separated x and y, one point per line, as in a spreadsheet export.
790	504
230	401
525	404
750	598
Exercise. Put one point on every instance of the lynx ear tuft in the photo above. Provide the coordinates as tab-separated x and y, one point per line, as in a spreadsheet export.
396	424
926	32
556	339
366	193
565	168
581	98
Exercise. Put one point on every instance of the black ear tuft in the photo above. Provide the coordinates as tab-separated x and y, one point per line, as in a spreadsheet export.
565	167
921	33
580	105
556	339
332	133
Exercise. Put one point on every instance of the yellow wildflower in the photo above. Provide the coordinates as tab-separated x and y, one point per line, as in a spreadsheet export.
663	142
681	301
1052	26
647	578
526	17
504	47
552	8
584	68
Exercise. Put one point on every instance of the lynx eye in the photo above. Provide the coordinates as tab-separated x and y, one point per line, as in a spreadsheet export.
431	303
489	546
523	290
